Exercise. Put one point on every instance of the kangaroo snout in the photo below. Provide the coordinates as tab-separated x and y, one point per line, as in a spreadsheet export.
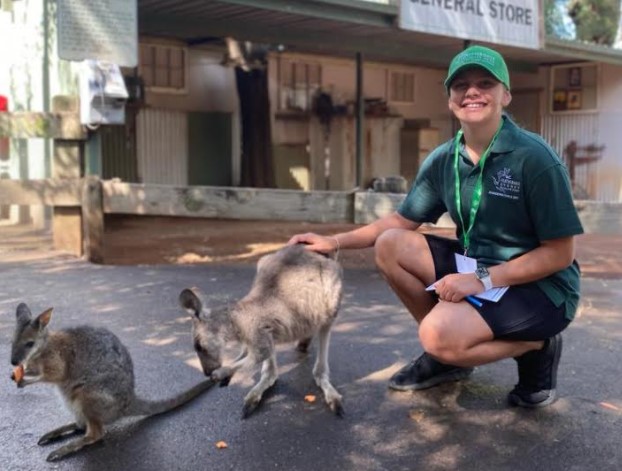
209	362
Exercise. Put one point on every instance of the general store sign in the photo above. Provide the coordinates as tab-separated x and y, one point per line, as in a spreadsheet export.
104	30
510	22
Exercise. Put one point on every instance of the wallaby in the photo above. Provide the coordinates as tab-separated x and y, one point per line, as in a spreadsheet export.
93	371
295	294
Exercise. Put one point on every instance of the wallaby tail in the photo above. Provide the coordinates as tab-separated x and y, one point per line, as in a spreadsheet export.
149	407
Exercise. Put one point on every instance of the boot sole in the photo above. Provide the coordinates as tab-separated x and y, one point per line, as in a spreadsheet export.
516	400
448	377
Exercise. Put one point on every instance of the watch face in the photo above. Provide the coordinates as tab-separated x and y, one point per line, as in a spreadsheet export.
482	272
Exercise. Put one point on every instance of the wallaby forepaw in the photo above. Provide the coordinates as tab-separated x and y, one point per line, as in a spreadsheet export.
225	382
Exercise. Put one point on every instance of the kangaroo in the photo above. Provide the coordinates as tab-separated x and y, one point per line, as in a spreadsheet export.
295	294
93	371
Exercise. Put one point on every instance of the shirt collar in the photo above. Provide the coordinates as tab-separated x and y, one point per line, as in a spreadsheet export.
505	143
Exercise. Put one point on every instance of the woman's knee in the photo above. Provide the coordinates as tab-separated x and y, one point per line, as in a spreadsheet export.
437	341
392	243
387	242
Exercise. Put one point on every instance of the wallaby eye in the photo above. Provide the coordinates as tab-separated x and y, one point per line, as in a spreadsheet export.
29	344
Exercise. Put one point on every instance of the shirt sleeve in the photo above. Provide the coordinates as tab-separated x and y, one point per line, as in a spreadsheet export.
424	202
552	206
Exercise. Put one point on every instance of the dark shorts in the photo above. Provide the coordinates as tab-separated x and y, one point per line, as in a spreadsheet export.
523	313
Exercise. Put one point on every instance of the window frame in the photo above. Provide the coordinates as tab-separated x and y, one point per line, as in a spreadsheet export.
155	46
566	68
309	88
404	72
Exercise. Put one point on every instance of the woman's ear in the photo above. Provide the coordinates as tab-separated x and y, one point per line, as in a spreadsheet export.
507	98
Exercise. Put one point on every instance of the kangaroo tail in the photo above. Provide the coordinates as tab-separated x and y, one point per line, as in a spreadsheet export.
149	407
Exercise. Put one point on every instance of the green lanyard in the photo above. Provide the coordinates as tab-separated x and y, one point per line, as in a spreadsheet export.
477	191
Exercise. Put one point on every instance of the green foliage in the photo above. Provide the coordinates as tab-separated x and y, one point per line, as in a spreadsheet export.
553	18
596	21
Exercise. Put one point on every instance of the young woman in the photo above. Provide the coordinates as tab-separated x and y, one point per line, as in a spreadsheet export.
510	197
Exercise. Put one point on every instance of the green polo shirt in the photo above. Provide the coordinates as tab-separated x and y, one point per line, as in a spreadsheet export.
526	198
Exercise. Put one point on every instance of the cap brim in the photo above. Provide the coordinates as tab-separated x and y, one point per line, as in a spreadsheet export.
451	78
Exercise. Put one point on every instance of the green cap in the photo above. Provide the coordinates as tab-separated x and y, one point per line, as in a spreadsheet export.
479	56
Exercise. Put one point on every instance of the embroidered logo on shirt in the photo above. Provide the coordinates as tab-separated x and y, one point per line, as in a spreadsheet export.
505	185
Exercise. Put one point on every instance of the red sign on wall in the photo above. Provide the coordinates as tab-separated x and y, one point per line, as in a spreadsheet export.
4	141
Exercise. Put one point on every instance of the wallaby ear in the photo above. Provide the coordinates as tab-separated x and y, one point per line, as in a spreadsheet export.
43	319
190	302
23	314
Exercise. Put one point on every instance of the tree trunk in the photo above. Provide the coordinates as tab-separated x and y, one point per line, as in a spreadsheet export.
257	169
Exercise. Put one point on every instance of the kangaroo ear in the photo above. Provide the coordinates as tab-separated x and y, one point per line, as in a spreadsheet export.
190	302
43	319
23	314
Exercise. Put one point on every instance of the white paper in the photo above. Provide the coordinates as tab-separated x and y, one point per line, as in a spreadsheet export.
493	294
465	264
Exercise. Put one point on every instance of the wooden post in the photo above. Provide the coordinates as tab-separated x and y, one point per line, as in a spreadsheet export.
571	153
93	219
67	163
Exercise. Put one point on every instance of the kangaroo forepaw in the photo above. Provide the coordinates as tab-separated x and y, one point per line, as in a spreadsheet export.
249	407
337	408
303	345
222	375
225	382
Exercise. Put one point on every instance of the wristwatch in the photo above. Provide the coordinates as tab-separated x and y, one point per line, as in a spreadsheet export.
483	275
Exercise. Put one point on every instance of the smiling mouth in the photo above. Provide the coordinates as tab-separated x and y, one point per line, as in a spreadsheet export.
474	105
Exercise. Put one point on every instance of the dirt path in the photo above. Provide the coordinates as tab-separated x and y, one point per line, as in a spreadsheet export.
131	240
150	240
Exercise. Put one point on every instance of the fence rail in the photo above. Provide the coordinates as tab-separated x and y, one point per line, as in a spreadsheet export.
88	199
26	125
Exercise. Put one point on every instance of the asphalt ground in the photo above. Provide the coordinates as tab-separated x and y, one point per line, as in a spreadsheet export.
459	426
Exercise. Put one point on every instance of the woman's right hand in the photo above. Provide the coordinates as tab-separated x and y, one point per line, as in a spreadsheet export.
315	242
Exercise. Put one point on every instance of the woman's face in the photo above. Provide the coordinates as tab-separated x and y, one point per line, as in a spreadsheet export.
476	97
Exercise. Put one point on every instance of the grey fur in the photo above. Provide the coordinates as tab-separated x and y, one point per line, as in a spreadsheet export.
93	372
295	295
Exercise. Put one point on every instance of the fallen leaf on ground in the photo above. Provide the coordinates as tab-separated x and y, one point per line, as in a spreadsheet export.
416	415
609	406
220	445
310	398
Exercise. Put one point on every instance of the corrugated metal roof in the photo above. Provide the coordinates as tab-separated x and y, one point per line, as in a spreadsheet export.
338	27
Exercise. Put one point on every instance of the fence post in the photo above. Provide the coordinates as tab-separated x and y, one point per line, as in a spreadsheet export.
93	219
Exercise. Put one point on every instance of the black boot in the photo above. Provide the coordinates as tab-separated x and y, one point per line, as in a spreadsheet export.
425	372
537	375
